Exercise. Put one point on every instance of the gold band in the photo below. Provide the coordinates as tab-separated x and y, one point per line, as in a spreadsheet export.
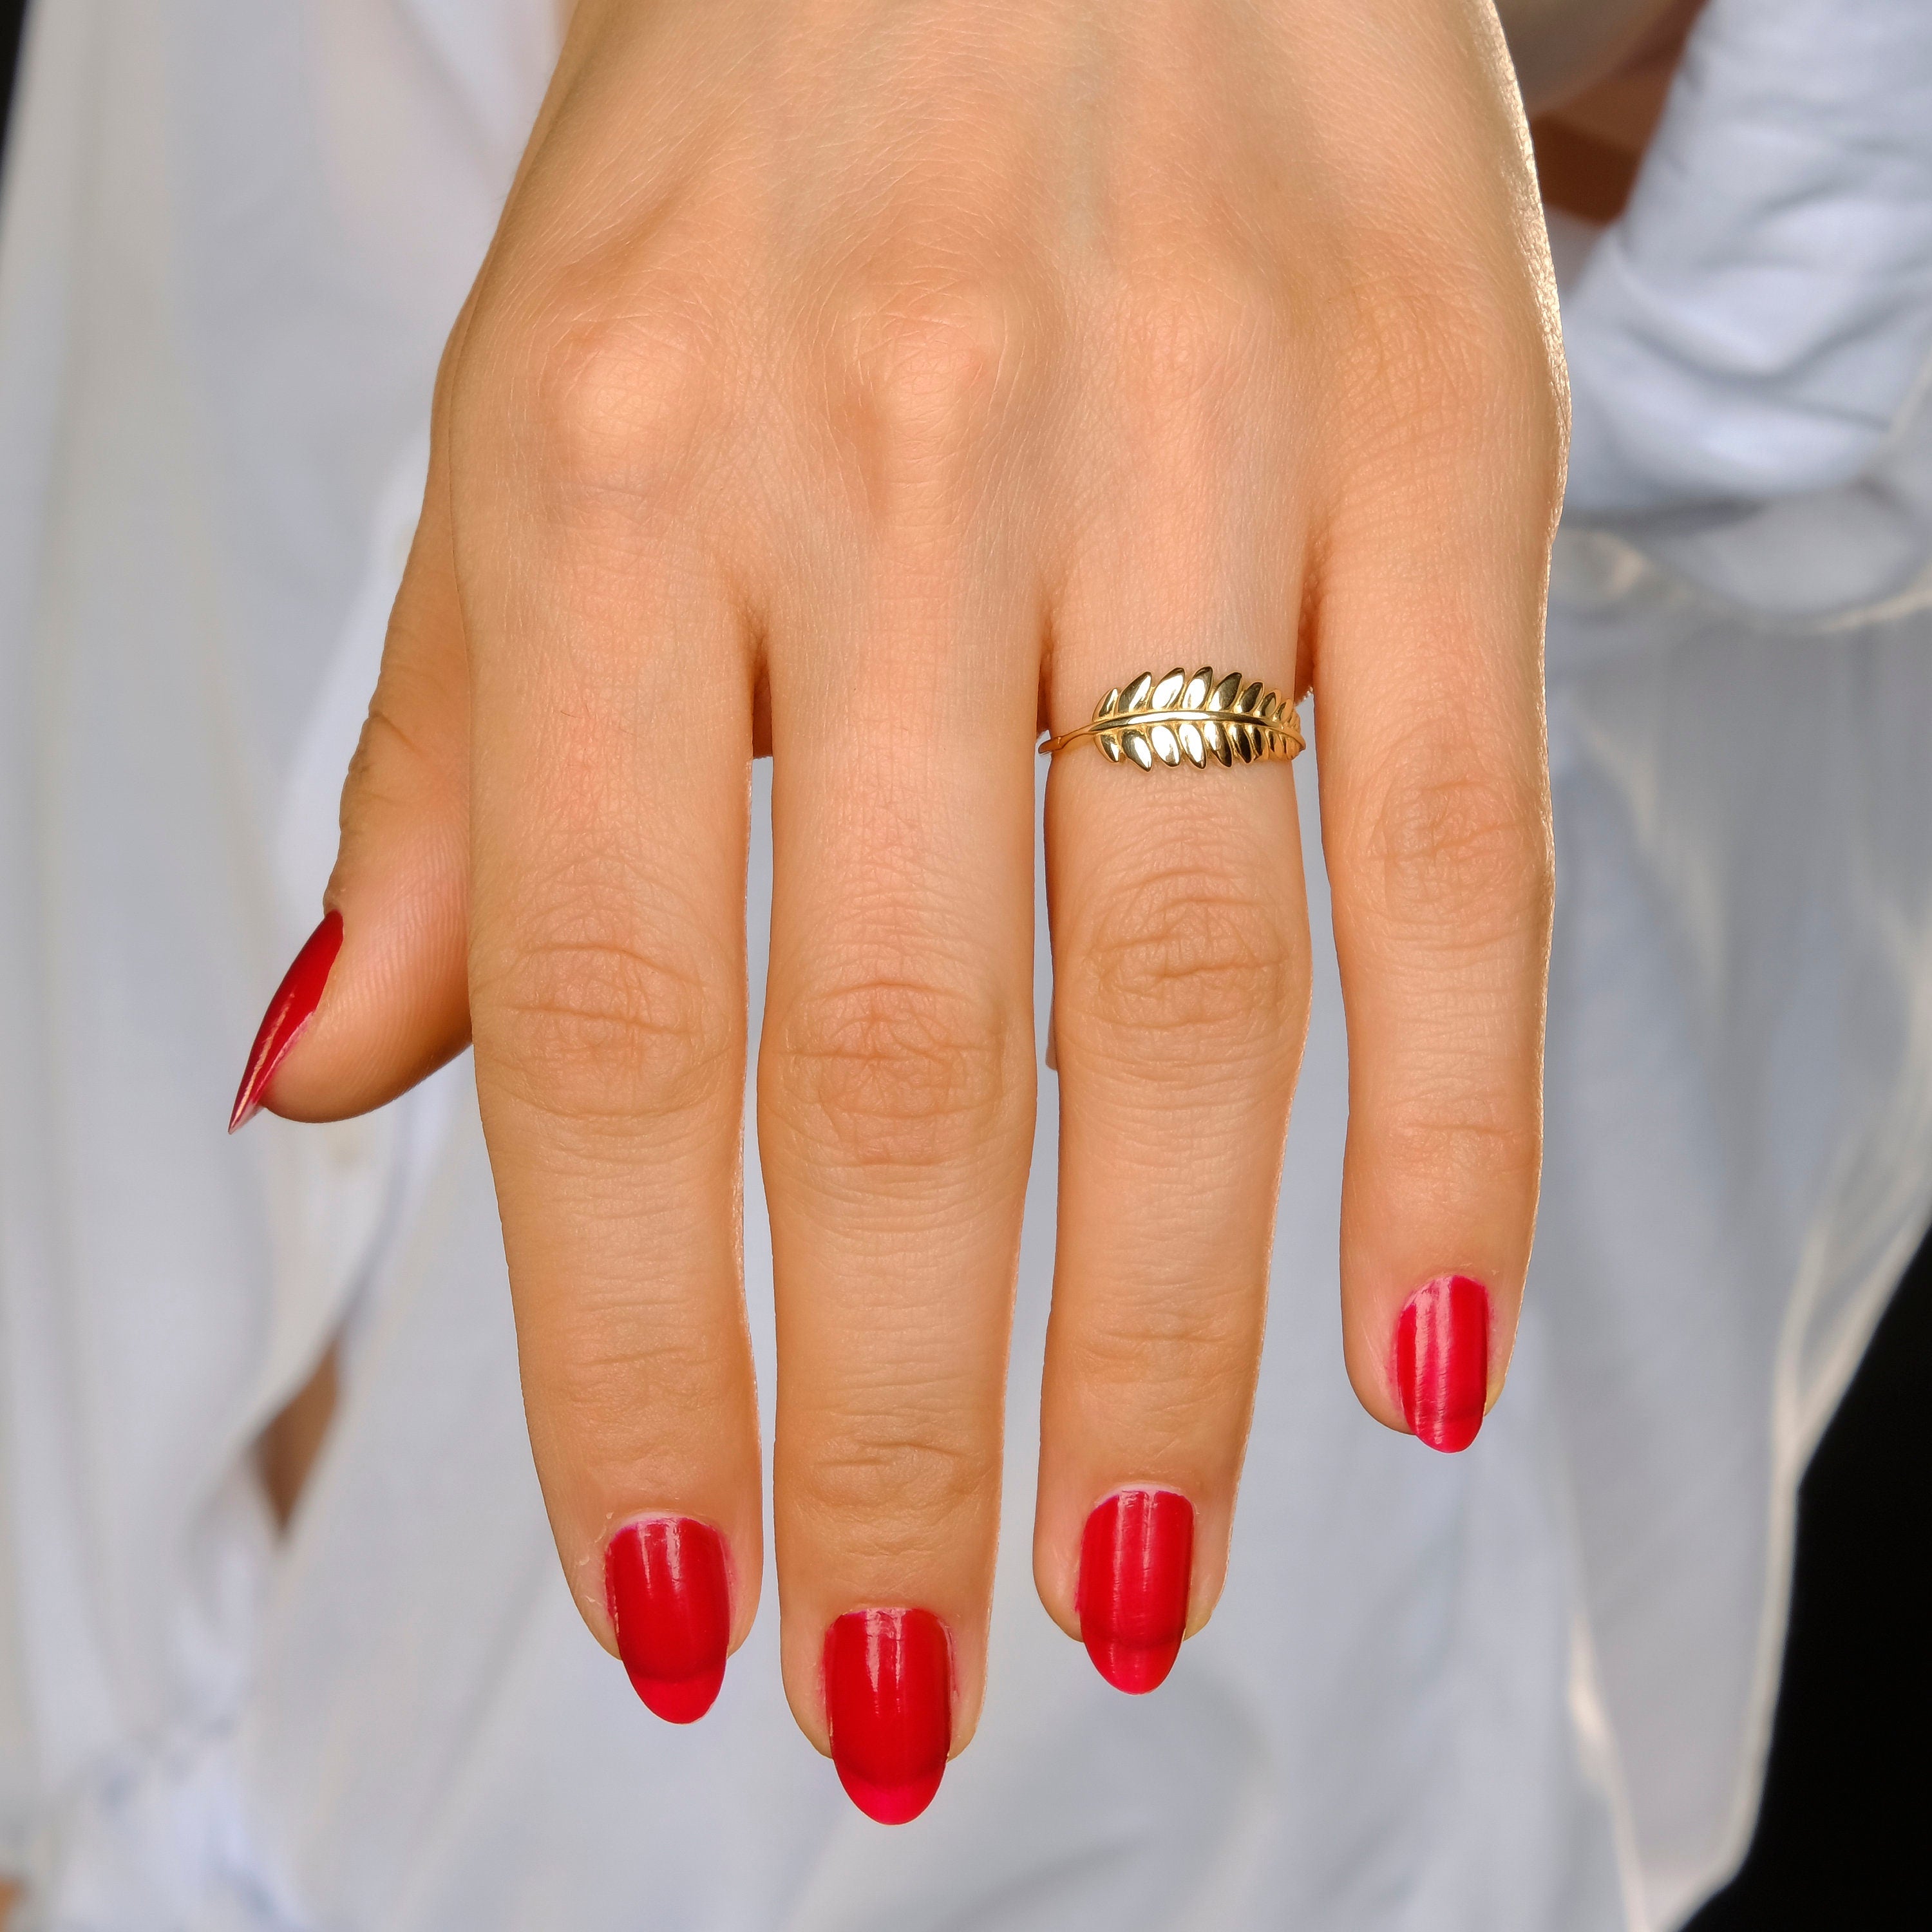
1190	719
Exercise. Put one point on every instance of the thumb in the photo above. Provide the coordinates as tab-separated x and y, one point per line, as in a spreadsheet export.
378	998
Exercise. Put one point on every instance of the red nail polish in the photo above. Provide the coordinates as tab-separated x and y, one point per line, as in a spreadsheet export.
888	1696
292	1009
670	1605
1136	1562
1442	1360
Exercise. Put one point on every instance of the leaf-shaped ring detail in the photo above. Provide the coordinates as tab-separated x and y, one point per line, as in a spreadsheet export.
1180	719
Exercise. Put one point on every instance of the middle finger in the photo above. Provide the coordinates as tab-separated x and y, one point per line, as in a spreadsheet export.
895	1125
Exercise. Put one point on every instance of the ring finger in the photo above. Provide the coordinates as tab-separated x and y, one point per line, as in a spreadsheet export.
1181	976
895	1121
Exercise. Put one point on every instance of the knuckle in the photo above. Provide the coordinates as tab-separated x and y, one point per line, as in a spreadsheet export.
390	760
607	1030
592	1406
1456	361
1474	371
1174	1359
1453	1150
1199	339
408	734
1507	395
620	402
1196	952
1455	845
875	1071
921	376
895	1478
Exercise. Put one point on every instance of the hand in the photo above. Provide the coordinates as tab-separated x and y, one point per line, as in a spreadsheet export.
877	382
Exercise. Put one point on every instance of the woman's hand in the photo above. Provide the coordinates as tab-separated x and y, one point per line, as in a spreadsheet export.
878	381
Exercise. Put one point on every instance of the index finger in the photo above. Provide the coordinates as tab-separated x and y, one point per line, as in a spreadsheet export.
611	734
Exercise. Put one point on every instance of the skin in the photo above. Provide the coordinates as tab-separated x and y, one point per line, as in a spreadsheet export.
874	382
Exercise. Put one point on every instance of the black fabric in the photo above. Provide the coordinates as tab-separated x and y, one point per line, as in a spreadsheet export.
1850	1785
12	14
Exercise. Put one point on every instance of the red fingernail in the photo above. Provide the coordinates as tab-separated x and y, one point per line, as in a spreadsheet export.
888	1697
1442	1360
670	1605
292	1009
1136	1561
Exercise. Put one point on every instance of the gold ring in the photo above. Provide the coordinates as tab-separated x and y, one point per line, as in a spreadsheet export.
1193	719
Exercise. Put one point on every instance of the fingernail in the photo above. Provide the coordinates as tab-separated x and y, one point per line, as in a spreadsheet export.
292	1009
1442	1360
1136	1562
670	1605
889	1698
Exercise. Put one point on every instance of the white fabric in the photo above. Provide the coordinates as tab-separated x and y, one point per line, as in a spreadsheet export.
1751	345
1523	1689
